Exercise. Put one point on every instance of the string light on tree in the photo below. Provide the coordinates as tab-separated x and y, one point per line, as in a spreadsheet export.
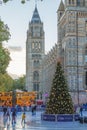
60	101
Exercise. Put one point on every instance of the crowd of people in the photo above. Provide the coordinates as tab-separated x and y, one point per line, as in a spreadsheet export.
10	115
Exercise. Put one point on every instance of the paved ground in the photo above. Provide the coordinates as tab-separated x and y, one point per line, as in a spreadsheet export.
34	123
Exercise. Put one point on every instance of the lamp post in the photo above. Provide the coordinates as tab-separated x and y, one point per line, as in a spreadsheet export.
13	98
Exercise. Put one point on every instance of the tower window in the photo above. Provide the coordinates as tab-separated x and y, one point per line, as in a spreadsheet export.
86	26
35	76
72	1
36	63
85	54
33	45
60	14
78	2
86	78
69	2
36	87
84	3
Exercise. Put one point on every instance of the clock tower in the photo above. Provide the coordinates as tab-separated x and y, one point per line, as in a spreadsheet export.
35	52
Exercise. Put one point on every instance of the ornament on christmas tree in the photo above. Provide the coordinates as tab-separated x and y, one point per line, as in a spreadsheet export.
60	101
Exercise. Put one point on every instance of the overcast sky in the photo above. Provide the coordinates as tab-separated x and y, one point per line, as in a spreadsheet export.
17	16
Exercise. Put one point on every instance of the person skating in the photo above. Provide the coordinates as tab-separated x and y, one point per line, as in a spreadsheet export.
14	117
23	119
81	111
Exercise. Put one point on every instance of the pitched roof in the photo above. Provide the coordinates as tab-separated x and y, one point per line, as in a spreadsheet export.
35	17
61	6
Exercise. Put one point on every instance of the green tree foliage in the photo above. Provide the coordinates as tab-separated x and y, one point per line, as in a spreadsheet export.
6	82
19	83
4	59
4	32
59	101
4	53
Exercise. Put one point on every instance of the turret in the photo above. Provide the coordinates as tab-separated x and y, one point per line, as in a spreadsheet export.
61	9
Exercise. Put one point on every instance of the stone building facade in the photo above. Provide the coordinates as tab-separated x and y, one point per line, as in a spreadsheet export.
71	48
72	41
35	52
49	66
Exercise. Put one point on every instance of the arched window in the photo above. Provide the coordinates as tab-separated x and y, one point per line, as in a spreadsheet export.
36	63
86	50
86	26
36	87
86	78
39	46
69	2
85	54
33	45
78	2
35	75
72	1
83	2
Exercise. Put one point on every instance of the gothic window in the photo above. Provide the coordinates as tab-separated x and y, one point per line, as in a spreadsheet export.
60	14
64	31
36	31
36	63
36	87
38	56
39	45
69	1
35	76
83	2
86	78
86	50
32	31
86	54
72	1
86	26
69	42
78	2
36	45
33	45
74	41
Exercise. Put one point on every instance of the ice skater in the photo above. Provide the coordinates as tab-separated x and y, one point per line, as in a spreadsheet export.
14	117
23	119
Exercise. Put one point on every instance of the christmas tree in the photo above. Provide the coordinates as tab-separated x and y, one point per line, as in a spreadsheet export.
59	101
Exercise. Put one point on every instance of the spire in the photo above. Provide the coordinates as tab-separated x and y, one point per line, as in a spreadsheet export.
61	6
35	3
35	17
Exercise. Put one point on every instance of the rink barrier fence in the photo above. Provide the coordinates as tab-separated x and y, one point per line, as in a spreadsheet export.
60	117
